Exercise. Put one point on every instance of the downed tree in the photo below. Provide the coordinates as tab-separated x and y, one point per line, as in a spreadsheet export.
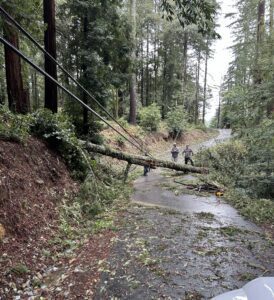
143	160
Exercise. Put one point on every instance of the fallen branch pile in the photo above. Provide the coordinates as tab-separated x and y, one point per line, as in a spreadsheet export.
202	187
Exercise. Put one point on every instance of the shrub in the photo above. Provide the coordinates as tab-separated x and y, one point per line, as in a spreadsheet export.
260	159
94	133
123	122
57	130
120	141
176	121
95	195
13	127
201	126
258	210
150	117
227	162
246	163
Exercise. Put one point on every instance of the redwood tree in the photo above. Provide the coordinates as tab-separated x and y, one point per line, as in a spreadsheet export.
50	46
132	86
260	39
18	97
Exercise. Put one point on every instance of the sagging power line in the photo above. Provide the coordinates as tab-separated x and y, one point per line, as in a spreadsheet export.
29	36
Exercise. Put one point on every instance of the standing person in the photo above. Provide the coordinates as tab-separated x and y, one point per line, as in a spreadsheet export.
188	153
174	153
147	167
146	170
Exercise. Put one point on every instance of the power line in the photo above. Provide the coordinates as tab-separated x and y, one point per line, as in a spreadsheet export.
11	19
18	52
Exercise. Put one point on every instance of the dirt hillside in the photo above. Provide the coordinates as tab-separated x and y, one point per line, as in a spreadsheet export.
33	179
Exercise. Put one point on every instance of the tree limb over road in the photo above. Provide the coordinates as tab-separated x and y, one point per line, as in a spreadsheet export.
142	160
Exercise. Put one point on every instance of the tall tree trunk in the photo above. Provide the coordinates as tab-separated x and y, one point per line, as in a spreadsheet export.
205	80
133	101
155	53
163	110
142	70
147	67
270	106
184	73
196	111
260	38
121	103
34	90
84	70
2	88
219	112
271	25
50	46
18	97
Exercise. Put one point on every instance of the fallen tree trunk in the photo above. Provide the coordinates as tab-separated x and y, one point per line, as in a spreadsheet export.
143	160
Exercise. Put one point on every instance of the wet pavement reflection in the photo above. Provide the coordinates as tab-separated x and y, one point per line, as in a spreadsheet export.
149	191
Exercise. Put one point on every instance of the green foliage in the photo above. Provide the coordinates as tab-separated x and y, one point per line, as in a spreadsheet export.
227	162
200	13
201	126
246	163
260	159
248	102
95	196
120	141
150	117
19	269
123	122
58	131
13	127
176	121
98	36
258	210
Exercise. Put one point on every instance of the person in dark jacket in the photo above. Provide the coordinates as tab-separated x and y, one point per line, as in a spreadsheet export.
188	153
146	168
174	153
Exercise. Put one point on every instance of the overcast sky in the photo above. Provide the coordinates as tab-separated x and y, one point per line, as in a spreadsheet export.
218	65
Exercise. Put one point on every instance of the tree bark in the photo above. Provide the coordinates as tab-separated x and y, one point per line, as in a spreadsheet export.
143	160
132	85
147	66
34	90
50	46
18	97
196	111
142	70
260	38
163	109
84	70
205	80
270	106
121	103
184	73
2	89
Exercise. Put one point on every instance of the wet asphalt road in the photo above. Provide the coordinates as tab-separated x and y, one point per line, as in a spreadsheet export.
150	191
183	246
